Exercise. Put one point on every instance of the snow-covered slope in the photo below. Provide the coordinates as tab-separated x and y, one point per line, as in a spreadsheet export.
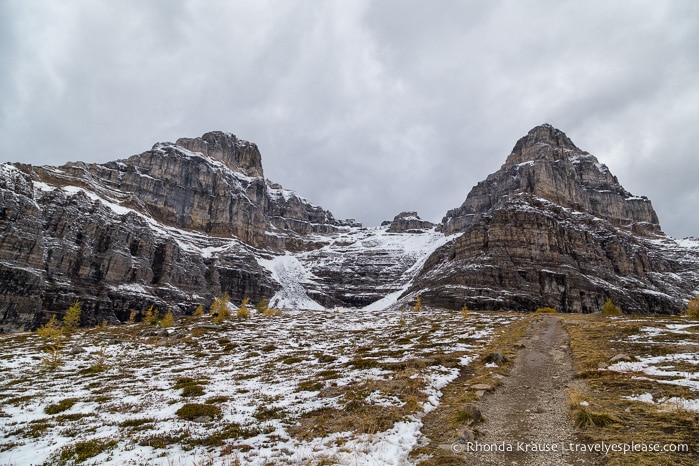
356	268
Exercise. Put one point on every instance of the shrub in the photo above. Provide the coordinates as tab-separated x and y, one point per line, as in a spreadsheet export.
168	319
192	411
262	306
54	359
71	320
610	309
192	390
199	311
100	361
243	311
418	304
132	317
184	381
464	311
693	308
61	406
84	450
546	310
272	312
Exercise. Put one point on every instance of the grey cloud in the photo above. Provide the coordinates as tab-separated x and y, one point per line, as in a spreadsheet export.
366	108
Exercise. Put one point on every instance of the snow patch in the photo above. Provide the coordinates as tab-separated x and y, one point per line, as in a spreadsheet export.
667	404
290	274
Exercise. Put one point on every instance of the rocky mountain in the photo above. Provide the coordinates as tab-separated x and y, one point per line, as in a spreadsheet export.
553	227
176	226
184	222
170	227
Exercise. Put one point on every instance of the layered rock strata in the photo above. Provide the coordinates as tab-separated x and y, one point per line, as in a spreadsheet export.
170	227
184	222
553	227
409	222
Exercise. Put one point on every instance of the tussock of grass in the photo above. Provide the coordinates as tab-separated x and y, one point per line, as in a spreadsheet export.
310	386
192	411
360	420
217	400
63	405
584	415
82	451
136	422
363	363
192	390
357	414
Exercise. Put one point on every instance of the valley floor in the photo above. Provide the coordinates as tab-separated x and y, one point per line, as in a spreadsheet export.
349	387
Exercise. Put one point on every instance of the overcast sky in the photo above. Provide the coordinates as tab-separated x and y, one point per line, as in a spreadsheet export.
367	108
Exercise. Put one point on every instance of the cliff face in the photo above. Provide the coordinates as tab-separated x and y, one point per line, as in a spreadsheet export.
553	227
169	227
62	244
184	222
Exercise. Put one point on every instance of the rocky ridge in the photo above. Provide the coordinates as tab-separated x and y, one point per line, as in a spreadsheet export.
184	222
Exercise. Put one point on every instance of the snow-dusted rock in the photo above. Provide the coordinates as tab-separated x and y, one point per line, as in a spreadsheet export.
184	222
553	227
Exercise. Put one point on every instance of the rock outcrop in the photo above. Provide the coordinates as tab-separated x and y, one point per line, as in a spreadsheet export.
63	244
553	227
409	222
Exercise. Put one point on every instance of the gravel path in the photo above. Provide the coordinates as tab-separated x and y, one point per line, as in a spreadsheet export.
530	411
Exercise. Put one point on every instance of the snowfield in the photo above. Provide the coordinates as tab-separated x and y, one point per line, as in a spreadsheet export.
341	386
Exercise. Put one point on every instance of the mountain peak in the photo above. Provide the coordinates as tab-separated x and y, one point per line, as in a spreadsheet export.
543	136
547	165
236	154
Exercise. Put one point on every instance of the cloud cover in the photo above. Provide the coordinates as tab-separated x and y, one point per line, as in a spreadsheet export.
365	107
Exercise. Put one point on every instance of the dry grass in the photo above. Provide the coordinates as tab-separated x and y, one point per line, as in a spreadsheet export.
586	415
610	417
356	414
350	374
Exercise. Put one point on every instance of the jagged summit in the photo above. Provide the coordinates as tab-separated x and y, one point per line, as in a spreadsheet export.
553	227
533	145
235	153
546	165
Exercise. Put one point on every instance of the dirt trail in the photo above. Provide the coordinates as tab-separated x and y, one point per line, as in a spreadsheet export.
530	410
